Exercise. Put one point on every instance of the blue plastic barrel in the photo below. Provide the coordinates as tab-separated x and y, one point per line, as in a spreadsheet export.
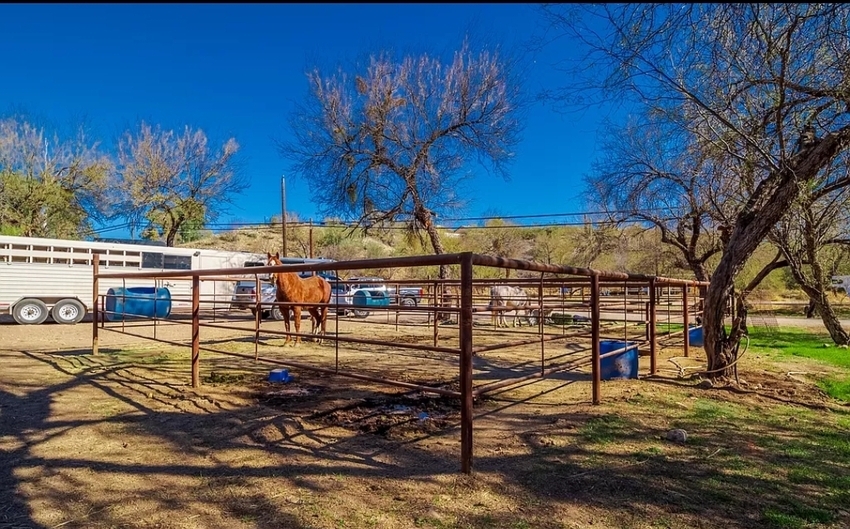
618	366
370	298
137	301
695	337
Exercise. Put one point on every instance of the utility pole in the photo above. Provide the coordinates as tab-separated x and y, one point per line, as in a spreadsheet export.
311	238
283	212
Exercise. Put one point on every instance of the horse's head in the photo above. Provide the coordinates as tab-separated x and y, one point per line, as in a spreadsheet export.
273	260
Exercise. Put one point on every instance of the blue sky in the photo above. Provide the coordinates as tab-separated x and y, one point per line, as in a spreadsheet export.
236	70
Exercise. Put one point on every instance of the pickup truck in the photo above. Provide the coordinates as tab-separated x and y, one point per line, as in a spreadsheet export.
841	283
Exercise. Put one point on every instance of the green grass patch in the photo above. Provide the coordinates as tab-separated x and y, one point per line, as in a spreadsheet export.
807	344
837	388
602	430
800	342
668	328
797	516
709	411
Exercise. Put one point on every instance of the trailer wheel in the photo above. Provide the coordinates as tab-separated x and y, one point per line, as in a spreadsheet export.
30	311
68	311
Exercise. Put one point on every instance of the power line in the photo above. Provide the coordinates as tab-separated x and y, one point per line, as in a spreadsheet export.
330	224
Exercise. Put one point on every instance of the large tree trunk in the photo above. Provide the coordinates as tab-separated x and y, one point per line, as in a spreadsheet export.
817	291
814	284
765	208
426	218
171	235
699	269
830	321
820	304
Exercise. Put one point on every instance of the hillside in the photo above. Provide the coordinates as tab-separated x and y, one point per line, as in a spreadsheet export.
631	249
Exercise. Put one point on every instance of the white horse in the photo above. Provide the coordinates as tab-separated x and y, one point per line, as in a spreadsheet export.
508	296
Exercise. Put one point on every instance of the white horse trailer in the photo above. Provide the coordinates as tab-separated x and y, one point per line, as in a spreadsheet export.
54	277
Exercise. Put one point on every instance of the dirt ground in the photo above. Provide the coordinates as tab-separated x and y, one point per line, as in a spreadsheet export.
121	439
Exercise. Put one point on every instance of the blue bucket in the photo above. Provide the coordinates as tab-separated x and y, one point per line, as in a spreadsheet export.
619	366
279	375
695	337
137	301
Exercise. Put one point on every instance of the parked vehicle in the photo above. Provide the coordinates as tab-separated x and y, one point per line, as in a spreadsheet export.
841	283
53	278
344	293
406	296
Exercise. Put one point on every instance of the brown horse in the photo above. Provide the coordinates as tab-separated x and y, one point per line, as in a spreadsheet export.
294	289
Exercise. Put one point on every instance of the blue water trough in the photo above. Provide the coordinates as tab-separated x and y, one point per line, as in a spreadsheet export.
623	365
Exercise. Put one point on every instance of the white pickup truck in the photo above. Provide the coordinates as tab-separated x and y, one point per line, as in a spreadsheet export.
841	283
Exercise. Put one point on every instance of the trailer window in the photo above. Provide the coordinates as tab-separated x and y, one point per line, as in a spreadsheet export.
152	260
177	262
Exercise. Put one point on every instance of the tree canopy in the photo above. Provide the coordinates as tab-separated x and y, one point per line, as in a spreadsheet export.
395	138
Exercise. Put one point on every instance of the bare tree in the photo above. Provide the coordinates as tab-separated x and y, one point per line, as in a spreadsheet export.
748	79
172	181
395	140
50	186
813	240
649	174
593	241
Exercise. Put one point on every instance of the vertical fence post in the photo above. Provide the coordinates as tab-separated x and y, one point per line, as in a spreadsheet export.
465	321
653	346
438	301
686	319
540	317
95	312
310	238
258	315
594	337
123	302
196	331
155	295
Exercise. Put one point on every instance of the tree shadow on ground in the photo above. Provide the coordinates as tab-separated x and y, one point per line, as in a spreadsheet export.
607	461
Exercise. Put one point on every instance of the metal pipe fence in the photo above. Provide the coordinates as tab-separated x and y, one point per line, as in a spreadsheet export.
567	304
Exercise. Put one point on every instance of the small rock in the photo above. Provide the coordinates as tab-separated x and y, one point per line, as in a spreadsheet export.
826	346
433	514
677	436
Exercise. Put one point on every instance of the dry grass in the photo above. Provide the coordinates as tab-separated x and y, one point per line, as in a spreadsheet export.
121	440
